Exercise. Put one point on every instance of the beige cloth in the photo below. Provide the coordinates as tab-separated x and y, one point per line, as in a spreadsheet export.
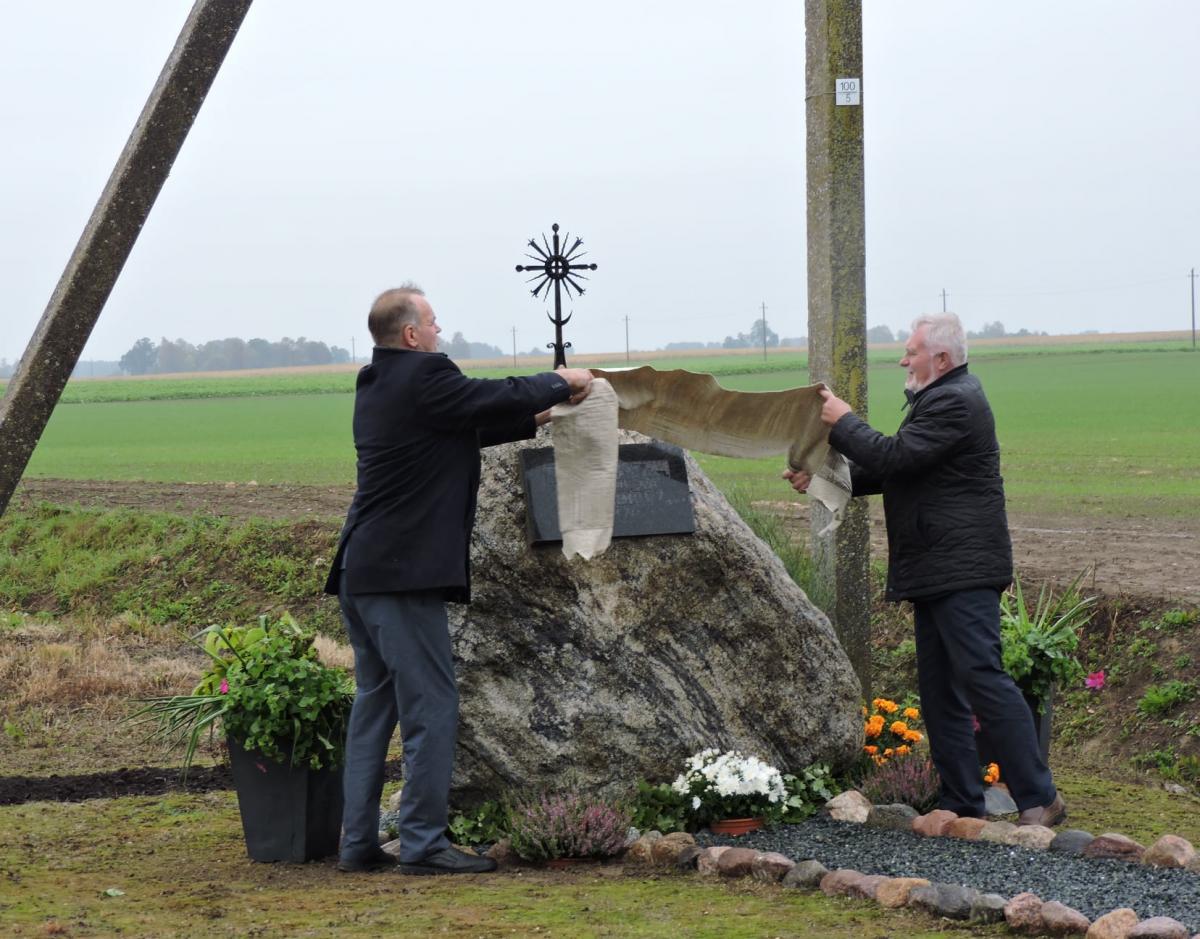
585	470
690	410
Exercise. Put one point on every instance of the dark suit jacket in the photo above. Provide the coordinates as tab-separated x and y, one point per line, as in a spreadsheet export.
418	426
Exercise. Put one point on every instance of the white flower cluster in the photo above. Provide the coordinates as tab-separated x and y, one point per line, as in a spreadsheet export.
730	774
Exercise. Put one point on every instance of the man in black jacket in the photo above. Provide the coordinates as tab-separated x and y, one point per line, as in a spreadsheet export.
949	553
403	552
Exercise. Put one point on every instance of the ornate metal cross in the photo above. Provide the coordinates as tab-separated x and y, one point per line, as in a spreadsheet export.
558	267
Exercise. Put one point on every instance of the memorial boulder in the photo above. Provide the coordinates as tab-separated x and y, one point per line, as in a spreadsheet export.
617	668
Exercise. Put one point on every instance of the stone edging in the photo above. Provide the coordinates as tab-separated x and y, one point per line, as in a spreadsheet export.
1025	913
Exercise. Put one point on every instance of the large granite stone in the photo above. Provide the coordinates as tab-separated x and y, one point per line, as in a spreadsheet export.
620	667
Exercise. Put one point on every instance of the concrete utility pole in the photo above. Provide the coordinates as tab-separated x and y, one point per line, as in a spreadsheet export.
514	332
353	352
943	299
1192	276
764	331
837	311
626	338
110	233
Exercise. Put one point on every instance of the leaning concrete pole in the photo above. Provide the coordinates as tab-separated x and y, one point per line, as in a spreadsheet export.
109	236
837	322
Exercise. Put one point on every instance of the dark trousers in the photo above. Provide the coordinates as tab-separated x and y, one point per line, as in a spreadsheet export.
959	674
404	672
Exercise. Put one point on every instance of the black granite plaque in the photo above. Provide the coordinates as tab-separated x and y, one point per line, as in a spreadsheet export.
652	493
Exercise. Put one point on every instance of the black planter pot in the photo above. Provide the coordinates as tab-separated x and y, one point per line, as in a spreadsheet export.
1042	718
289	813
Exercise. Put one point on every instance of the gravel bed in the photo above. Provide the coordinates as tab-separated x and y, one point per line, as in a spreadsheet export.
1092	886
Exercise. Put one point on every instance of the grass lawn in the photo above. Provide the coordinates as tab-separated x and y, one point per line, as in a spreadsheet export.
180	867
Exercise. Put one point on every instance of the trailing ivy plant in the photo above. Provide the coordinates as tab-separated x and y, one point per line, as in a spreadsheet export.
1038	646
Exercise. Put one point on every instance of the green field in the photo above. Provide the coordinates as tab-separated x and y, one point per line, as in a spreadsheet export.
1109	431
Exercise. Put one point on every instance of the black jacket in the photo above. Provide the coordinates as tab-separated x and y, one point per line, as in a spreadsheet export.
943	496
418	426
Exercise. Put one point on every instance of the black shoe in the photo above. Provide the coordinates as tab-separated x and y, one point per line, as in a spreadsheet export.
1046	815
374	860
449	861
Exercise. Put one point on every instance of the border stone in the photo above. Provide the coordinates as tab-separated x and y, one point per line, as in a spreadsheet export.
838	883
966	828
893	892
1113	925
736	862
933	824
1034	837
1063	920
988	908
686	861
848	806
895	816
1023	913
1169	851
997	832
949	900
806	875
1158	927
1114	845
771	867
706	861
1071	841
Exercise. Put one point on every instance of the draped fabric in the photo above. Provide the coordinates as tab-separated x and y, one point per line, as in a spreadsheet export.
690	410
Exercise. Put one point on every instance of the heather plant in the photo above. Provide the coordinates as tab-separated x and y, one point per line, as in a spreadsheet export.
909	779
570	824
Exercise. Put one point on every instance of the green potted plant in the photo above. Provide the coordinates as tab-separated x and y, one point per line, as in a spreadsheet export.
1038	646
283	713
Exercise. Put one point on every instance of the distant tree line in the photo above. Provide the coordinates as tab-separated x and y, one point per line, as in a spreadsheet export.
146	358
460	348
994	330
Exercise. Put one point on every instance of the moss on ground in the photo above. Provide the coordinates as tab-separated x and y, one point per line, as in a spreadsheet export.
180	866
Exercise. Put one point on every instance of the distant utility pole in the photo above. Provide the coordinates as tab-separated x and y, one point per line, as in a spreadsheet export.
764	331
514	332
943	299
1192	276
353	354
626	338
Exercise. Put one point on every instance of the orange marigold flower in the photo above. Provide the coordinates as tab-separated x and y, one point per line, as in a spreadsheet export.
890	706
903	749
899	728
912	713
914	736
873	730
864	710
870	749
889	752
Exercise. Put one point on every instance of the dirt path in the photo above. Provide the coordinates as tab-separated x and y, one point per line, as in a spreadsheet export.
1142	557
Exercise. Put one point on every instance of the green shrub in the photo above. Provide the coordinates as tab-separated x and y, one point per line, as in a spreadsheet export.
659	808
487	823
1160	699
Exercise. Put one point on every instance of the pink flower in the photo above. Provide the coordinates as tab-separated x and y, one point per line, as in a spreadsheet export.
1095	680
225	685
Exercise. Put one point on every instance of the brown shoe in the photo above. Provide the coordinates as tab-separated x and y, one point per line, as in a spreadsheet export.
1046	815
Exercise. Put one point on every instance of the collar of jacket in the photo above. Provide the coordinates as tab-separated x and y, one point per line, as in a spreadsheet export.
910	397
379	353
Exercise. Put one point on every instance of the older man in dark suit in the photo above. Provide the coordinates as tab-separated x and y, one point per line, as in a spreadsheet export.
404	551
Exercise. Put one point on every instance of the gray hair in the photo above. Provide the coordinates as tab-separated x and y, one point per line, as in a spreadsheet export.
944	334
392	311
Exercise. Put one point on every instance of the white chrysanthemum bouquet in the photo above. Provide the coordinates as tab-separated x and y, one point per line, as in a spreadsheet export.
731	785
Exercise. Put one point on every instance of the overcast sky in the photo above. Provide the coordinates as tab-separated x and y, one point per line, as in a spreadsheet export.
1039	161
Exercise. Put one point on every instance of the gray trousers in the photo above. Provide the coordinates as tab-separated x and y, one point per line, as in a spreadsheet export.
404	671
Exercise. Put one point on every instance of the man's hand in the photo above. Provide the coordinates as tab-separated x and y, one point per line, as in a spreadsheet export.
834	408
579	380
798	478
542	417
